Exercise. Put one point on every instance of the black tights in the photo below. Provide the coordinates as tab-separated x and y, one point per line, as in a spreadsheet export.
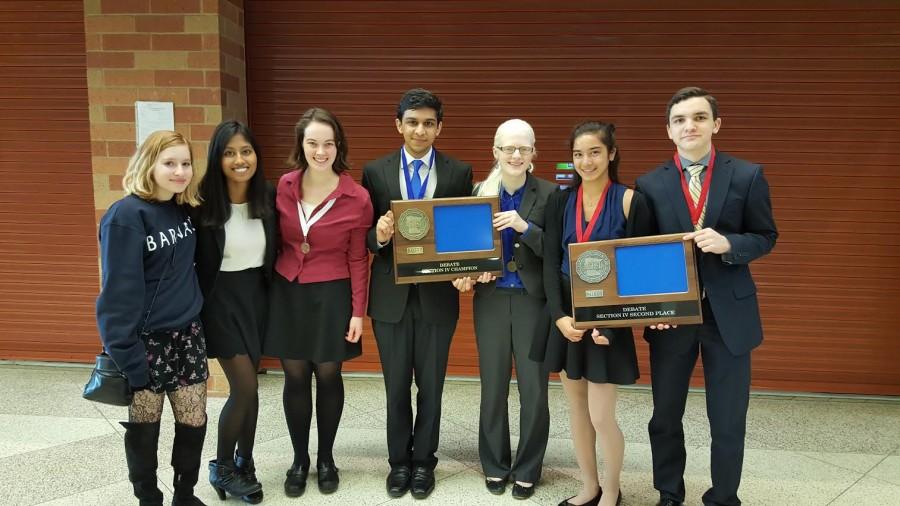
298	405
237	422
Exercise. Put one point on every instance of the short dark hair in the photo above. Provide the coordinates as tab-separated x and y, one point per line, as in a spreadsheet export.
606	132
691	92
297	159
216	207
420	98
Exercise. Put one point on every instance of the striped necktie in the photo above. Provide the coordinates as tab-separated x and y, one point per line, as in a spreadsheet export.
695	187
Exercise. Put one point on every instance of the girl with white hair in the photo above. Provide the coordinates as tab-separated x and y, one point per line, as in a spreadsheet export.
508	313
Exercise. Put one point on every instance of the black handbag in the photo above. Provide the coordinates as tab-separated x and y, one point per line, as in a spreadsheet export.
107	384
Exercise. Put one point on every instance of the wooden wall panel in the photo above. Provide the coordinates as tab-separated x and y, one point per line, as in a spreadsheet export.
811	89
48	245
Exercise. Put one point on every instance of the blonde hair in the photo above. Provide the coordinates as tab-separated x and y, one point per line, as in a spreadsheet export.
138	178
491	184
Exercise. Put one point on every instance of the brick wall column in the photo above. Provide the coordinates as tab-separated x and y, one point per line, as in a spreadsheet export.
189	52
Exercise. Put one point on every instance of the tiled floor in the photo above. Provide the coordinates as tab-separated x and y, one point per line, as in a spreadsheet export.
56	448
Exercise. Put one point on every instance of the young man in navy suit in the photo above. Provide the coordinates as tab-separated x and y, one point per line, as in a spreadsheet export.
413	324
723	204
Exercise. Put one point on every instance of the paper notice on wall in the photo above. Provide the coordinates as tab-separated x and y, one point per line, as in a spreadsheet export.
153	116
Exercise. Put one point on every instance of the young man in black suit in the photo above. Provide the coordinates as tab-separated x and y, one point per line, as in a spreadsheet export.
723	202
413	324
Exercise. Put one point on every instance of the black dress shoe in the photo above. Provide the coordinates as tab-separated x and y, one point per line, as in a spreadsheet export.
520	492
668	502
398	481
496	487
422	482
295	483
327	477
592	502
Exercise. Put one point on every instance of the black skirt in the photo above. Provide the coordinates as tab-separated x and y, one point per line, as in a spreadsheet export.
234	314
615	363
308	321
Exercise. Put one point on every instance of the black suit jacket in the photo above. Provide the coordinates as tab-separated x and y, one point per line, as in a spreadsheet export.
387	300
211	247
528	250
739	208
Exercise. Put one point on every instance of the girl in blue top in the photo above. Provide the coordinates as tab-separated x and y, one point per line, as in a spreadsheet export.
590	363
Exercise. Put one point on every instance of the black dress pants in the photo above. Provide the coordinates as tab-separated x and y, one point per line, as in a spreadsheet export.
413	349
727	381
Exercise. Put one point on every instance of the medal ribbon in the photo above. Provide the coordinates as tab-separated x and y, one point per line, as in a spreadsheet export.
696	209
424	187
306	224
582	235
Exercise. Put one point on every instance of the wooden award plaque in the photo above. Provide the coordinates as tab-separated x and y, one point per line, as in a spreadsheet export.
444	239
634	282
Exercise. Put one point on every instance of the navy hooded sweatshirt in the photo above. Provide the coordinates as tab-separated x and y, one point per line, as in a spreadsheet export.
138	238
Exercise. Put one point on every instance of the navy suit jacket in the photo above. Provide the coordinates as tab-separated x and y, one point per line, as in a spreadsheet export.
739	208
387	300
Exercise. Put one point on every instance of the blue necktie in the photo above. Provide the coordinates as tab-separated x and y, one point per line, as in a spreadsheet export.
416	179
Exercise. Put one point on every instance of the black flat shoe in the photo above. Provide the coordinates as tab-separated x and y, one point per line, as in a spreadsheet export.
521	492
422	482
327	477
668	502
592	502
496	487
398	481
295	483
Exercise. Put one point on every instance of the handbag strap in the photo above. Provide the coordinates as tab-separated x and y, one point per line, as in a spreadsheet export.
153	300
155	293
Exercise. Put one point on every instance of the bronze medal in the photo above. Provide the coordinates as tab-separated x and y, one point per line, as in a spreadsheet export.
304	248
511	266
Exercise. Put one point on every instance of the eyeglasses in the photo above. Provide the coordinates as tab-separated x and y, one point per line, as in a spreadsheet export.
524	150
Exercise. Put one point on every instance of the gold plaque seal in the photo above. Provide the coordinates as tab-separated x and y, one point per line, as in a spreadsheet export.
413	224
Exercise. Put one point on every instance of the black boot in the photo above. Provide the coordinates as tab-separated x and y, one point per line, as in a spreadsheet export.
186	452
247	467
224	476
141	440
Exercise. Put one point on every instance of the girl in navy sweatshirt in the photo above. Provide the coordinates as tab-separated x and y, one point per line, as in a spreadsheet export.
148	311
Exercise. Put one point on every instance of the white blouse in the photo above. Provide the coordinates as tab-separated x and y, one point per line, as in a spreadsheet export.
245	240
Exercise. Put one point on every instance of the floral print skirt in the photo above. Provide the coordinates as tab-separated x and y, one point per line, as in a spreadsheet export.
177	358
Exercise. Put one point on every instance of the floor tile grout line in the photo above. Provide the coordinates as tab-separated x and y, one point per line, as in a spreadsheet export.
845	490
868	473
812	455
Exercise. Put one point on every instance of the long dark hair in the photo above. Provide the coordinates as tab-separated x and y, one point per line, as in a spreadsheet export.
606	132
297	159
216	207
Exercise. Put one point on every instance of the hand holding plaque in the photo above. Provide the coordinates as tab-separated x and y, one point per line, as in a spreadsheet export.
445	239
635	281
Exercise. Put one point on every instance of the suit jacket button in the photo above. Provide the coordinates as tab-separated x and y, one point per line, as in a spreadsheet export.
516	245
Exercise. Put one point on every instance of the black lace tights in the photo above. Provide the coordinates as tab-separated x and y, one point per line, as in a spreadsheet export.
188	405
298	405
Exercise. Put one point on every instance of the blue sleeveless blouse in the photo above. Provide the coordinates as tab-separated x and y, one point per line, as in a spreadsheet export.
610	225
